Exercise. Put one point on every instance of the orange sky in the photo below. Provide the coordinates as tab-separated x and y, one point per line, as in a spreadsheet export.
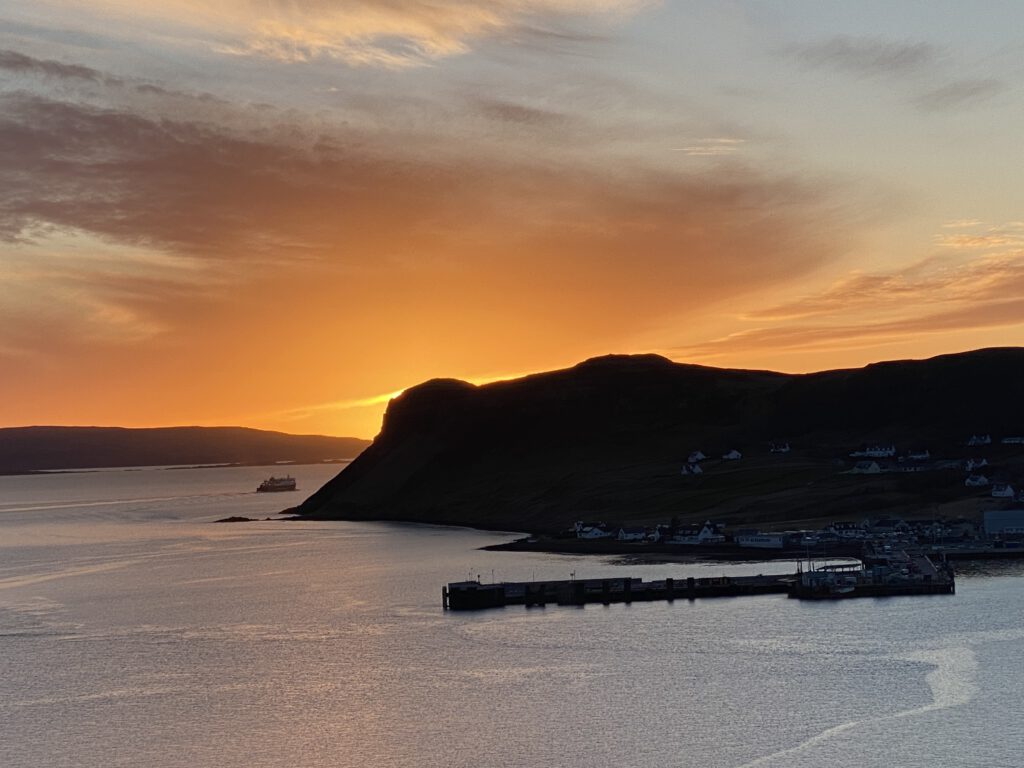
279	216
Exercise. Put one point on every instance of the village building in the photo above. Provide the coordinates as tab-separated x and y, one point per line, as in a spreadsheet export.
1003	491
875	452
866	468
692	469
695	457
778	447
709	533
659	533
761	540
632	533
961	528
1012	441
592	531
928	528
732	455
1004	522
977	440
972	464
846	529
889	525
976	481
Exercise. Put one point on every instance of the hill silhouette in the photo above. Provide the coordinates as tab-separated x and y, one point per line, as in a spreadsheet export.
606	439
28	449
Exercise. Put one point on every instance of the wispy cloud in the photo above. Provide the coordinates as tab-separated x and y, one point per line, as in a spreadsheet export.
716	147
868	56
984	237
959	94
19	63
234	189
303	412
924	71
386	33
935	295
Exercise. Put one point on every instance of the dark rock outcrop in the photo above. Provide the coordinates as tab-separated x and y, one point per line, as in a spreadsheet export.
607	437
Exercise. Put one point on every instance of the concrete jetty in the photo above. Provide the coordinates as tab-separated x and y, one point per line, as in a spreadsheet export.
894	574
473	595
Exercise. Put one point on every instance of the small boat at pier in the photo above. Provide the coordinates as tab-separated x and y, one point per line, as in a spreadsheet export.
897	573
277	484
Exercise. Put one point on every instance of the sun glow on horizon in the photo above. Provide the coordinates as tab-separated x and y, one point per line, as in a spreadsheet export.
221	215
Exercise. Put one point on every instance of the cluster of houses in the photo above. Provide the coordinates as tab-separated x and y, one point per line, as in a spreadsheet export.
708	533
882	458
693	467
1006	523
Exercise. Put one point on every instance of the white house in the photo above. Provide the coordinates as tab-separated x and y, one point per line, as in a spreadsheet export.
708	534
976	481
632	533
761	540
979	440
876	452
692	469
1003	491
695	457
659	533
592	531
866	468
732	455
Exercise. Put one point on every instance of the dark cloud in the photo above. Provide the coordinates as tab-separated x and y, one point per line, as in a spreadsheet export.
868	56
476	214
21	64
509	112
203	188
960	94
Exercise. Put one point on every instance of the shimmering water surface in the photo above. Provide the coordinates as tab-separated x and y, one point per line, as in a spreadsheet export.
133	632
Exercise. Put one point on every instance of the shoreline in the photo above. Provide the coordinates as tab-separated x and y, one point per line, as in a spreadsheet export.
673	552
167	467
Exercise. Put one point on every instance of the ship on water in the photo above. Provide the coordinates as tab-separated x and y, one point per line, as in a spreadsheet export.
271	484
880	575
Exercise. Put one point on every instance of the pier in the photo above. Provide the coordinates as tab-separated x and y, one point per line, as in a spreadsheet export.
472	595
896	574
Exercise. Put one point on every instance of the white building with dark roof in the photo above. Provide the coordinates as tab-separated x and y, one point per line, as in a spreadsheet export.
1003	491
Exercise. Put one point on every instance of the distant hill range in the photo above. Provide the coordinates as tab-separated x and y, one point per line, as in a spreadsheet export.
607	439
28	449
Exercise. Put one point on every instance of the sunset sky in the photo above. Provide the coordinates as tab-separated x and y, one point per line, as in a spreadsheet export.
279	213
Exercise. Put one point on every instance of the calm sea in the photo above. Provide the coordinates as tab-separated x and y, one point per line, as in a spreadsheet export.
134	632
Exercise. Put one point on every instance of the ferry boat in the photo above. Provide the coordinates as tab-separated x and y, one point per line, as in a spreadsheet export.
277	484
896	573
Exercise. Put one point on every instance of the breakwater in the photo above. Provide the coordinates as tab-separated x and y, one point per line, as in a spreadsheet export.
897	573
473	595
